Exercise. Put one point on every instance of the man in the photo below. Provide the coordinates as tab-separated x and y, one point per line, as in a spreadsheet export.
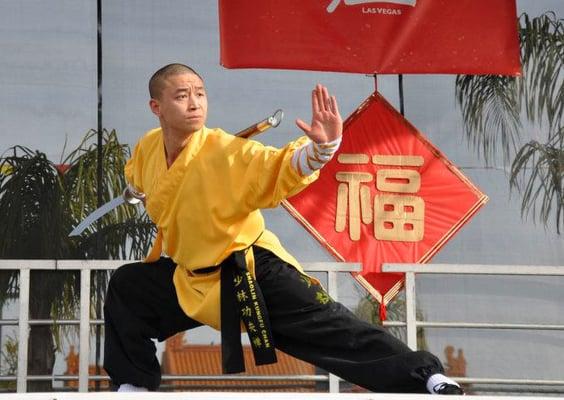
204	189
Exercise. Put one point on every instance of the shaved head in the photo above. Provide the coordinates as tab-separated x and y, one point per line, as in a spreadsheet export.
158	80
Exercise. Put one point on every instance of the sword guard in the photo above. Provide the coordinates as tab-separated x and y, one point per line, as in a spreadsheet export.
132	196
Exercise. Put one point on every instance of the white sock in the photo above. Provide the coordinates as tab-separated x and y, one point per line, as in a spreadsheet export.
436	380
126	387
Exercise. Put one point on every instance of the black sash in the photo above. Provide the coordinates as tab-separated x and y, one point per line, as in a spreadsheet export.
241	300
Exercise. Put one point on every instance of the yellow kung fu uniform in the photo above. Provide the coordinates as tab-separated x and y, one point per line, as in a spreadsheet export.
206	205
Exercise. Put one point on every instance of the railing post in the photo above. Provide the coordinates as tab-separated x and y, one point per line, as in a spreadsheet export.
332	288
23	334
410	310
84	345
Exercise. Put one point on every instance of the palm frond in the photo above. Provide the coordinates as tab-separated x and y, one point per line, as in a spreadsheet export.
122	240
538	173
542	54
489	107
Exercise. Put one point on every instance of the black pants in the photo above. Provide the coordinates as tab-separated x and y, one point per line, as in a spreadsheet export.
141	304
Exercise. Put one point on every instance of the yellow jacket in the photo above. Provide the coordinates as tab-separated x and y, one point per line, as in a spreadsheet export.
206	205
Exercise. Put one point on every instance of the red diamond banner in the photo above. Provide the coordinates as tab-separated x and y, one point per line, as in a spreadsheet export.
388	196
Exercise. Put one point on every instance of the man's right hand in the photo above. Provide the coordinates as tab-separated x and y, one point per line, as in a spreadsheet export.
326	123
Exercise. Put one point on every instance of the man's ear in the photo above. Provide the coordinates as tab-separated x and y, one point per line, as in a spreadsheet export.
155	107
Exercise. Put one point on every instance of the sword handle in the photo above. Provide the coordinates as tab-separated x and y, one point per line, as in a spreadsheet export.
271	122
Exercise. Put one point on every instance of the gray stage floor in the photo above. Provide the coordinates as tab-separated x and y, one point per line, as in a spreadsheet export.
238	396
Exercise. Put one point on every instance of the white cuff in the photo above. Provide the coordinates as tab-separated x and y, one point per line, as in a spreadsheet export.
312	156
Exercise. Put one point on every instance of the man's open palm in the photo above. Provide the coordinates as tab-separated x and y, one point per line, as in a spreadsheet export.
326	122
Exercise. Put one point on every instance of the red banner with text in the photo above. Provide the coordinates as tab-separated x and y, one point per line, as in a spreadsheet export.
388	195
384	37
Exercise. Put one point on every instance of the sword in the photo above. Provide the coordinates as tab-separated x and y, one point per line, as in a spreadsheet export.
133	197
129	196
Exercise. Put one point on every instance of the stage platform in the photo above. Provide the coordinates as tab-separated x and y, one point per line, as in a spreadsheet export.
239	396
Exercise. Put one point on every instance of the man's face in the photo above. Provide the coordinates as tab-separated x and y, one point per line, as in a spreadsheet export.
183	104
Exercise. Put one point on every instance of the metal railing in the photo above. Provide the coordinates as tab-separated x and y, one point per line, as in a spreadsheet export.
332	269
411	323
84	322
237	396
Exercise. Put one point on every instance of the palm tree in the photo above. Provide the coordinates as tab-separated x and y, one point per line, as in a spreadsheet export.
40	203
498	110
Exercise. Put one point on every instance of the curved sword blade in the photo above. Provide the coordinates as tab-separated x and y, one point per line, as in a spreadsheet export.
97	214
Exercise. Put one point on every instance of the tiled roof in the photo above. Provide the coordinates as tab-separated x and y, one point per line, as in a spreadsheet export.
192	359
72	369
